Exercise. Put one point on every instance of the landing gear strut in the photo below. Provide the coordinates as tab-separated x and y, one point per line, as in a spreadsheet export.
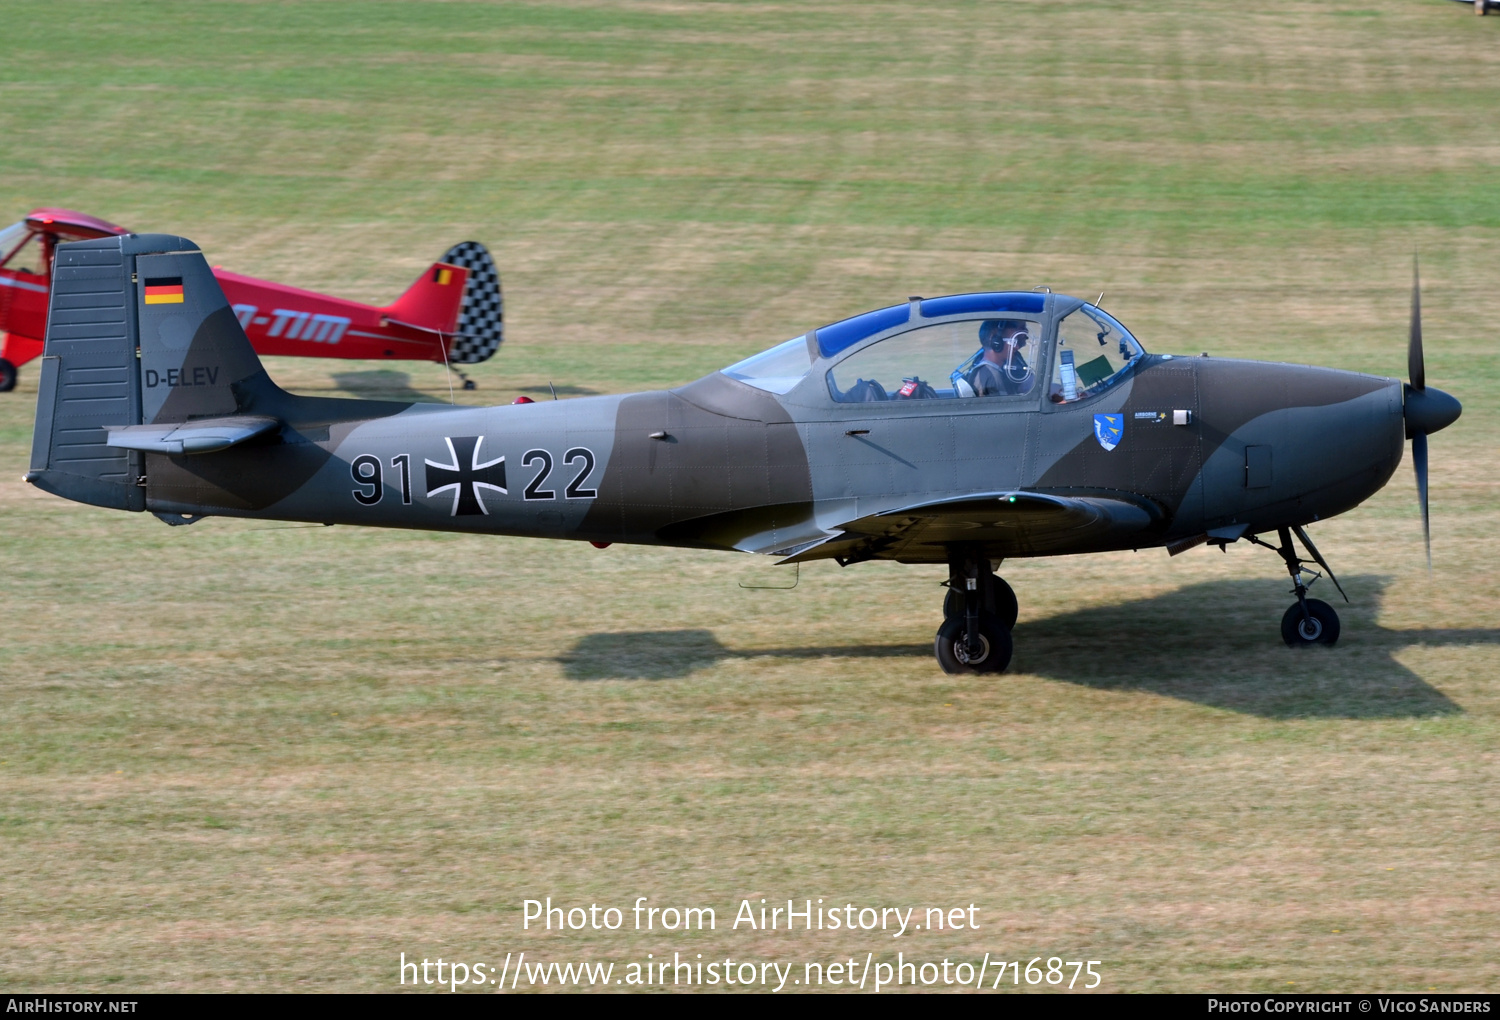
468	383
999	599
1310	621
979	612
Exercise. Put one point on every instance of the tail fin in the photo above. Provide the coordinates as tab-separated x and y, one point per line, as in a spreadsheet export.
139	339
433	301
470	317
481	321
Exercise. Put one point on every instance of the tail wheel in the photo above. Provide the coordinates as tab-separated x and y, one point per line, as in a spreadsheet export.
1318	626
7	376
991	655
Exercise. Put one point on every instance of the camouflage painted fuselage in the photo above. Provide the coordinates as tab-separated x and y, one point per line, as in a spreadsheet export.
717	463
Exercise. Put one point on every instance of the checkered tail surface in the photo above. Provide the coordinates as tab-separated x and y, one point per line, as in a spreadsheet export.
481	325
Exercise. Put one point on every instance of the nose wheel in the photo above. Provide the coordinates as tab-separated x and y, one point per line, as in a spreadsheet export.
978	613
1307	622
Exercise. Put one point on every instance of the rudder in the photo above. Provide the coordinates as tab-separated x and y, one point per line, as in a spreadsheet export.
481	319
138	333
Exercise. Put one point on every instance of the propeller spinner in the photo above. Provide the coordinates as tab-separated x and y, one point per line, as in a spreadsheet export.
1426	411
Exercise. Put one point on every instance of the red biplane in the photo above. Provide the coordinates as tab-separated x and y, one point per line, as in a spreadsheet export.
451	315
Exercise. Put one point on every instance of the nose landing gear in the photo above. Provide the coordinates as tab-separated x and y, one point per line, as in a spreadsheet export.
978	613
1310	621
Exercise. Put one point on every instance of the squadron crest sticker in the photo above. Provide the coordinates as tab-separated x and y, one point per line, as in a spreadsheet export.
1109	429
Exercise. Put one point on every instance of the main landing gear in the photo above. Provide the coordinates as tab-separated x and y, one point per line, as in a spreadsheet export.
978	614
7	376
1310	621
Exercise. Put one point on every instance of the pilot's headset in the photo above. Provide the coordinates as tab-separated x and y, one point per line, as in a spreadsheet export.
992	334
992	337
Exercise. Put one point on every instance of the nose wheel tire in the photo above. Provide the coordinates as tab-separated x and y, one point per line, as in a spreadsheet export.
1318	626
954	655
1001	602
7	376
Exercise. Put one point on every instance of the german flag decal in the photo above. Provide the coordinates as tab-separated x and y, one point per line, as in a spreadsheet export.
164	290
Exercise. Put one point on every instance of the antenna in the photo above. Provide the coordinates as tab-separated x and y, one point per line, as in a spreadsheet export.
1099	301
443	345
796	577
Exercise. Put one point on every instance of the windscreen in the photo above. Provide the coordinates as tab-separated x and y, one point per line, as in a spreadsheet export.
11	238
776	370
1093	350
27	257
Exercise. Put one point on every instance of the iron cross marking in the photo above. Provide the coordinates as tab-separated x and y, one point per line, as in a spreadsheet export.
465	476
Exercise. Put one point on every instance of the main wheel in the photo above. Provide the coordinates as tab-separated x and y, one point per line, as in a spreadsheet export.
7	376
1319	627
1002	603
953	655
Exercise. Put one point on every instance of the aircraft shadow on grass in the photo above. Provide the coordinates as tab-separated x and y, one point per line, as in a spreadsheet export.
1215	644
383	384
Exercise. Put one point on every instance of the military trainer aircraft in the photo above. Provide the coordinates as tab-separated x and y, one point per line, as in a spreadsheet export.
962	430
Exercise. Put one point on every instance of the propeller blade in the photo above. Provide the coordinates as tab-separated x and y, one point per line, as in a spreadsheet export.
1416	369
1318	557
1419	461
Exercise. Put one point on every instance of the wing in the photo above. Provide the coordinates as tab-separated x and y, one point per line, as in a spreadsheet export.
1002	523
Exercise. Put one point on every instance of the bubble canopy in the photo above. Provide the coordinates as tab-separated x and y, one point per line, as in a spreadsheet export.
784	366
848	332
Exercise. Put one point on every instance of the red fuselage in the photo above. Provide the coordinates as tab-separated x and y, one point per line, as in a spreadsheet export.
278	319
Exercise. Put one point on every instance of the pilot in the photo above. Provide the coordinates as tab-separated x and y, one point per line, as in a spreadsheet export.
1003	369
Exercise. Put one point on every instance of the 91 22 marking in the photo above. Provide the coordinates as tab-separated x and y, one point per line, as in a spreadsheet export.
368	474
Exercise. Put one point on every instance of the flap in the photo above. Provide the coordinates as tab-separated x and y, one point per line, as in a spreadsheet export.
1003	523
206	435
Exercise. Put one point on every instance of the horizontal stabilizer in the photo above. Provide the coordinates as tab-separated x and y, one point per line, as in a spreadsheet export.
205	435
1003	523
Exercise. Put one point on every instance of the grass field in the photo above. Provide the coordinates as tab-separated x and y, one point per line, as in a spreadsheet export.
237	758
